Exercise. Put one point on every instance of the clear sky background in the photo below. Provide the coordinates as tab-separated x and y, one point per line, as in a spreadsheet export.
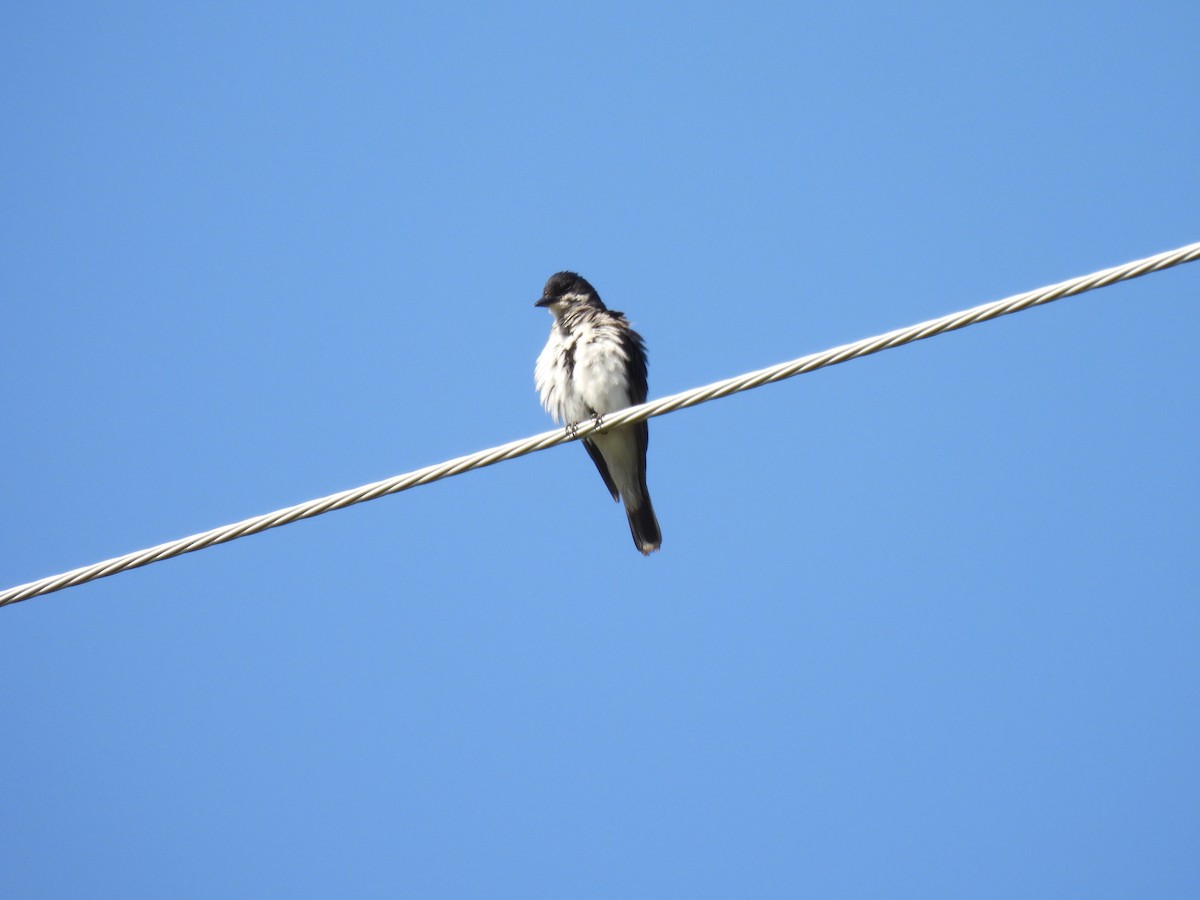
923	625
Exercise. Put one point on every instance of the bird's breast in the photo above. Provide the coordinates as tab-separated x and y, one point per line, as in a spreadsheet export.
582	372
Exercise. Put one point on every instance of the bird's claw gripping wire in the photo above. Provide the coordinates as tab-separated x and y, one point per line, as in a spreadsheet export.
573	427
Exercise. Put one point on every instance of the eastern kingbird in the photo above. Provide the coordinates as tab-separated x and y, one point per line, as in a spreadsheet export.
594	364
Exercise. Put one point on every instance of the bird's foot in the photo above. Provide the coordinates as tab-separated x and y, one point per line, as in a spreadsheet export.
599	421
572	430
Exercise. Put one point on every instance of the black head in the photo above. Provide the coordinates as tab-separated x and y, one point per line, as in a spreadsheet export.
566	287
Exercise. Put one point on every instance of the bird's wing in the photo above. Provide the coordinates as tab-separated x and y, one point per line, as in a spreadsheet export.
598	459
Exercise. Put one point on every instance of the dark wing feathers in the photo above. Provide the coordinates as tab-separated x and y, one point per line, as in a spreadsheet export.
635	351
598	459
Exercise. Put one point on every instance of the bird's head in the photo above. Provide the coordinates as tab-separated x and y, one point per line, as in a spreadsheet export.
567	290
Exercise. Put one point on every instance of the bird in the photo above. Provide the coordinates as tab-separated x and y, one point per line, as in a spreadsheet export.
593	364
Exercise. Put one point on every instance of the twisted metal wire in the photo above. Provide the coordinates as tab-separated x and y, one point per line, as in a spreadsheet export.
632	414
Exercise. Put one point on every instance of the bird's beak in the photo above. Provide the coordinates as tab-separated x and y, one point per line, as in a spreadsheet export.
545	301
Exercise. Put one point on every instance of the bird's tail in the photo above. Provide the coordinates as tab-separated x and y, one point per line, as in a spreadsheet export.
643	524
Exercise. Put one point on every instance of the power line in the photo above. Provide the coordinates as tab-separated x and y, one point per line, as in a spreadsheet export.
659	407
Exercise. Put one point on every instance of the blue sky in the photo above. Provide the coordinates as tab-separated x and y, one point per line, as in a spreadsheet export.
922	625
